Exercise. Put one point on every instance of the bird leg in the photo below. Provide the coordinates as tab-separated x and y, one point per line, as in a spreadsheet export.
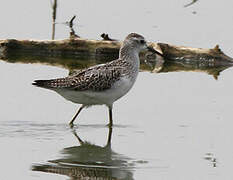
109	137
79	110
110	116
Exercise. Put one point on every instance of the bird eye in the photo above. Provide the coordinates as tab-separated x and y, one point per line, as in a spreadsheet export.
142	41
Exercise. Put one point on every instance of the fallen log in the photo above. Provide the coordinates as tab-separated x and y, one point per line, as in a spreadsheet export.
81	53
83	48
188	54
73	48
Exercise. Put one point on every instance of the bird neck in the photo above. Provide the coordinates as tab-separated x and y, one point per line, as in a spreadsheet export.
131	56
129	53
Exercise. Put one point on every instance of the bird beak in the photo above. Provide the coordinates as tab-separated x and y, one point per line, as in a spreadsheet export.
151	49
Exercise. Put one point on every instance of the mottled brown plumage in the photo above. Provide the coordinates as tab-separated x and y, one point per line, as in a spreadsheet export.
96	78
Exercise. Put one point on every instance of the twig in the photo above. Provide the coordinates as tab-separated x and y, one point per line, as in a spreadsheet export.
106	37
72	32
54	16
189	4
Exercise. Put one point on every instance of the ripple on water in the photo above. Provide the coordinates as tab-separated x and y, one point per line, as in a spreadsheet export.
31	130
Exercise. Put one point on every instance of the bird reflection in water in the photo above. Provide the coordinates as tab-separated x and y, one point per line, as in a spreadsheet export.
89	161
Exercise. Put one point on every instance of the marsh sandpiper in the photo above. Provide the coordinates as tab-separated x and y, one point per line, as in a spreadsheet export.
101	84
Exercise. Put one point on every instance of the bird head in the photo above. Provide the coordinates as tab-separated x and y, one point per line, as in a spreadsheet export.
136	41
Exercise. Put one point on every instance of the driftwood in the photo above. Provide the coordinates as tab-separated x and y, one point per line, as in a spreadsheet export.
84	48
81	53
181	53
74	48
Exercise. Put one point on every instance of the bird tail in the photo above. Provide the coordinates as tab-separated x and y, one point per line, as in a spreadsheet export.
52	83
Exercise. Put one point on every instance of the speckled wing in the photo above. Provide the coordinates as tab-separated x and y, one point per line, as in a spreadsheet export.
96	78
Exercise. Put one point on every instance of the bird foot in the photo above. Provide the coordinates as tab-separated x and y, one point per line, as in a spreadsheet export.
109	125
71	125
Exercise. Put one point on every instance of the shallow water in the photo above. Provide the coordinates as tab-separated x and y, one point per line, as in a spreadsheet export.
171	125
178	127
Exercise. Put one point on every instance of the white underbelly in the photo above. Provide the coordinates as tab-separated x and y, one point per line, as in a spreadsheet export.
107	97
